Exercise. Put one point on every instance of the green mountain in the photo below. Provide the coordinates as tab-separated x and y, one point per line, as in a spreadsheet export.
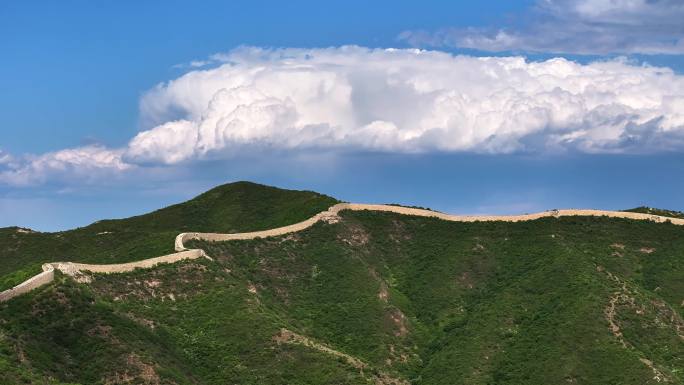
375	298
654	211
235	207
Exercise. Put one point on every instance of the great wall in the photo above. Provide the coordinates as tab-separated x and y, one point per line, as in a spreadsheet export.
329	216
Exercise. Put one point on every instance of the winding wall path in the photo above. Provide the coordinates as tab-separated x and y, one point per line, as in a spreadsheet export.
330	216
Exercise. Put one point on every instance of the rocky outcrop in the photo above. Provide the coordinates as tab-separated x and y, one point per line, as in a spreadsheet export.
329	216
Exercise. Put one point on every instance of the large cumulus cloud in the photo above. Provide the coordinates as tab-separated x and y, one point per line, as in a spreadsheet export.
409	101
358	99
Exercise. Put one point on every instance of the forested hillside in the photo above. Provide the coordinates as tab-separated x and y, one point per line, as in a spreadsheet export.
375	298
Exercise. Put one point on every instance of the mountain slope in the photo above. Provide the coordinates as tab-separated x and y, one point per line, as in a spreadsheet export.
375	298
654	211
486	302
234	207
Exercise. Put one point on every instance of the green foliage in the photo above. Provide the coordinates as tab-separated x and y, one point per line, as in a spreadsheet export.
14	278
375	298
499	303
187	323
234	207
654	211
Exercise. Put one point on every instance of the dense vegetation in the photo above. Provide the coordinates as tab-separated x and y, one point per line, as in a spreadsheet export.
375	298
654	211
234	207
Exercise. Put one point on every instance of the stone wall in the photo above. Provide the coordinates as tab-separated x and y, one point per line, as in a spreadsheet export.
333	212
144	264
512	218
330	215
214	237
73	269
34	282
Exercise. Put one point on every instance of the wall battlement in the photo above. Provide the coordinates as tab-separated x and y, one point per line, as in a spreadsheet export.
74	269
329	216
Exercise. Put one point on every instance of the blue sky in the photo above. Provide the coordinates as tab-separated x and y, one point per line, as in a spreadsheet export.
89	133
83	65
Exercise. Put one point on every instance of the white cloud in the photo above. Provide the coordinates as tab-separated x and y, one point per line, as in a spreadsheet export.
170	142
409	101
5	158
358	99
82	163
575	26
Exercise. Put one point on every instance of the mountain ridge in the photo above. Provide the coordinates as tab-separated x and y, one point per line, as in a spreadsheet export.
239	206
70	268
377	297
330	215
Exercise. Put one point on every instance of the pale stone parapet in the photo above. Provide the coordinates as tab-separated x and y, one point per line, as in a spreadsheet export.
513	218
73	269
126	267
332	213
215	237
34	282
328	216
